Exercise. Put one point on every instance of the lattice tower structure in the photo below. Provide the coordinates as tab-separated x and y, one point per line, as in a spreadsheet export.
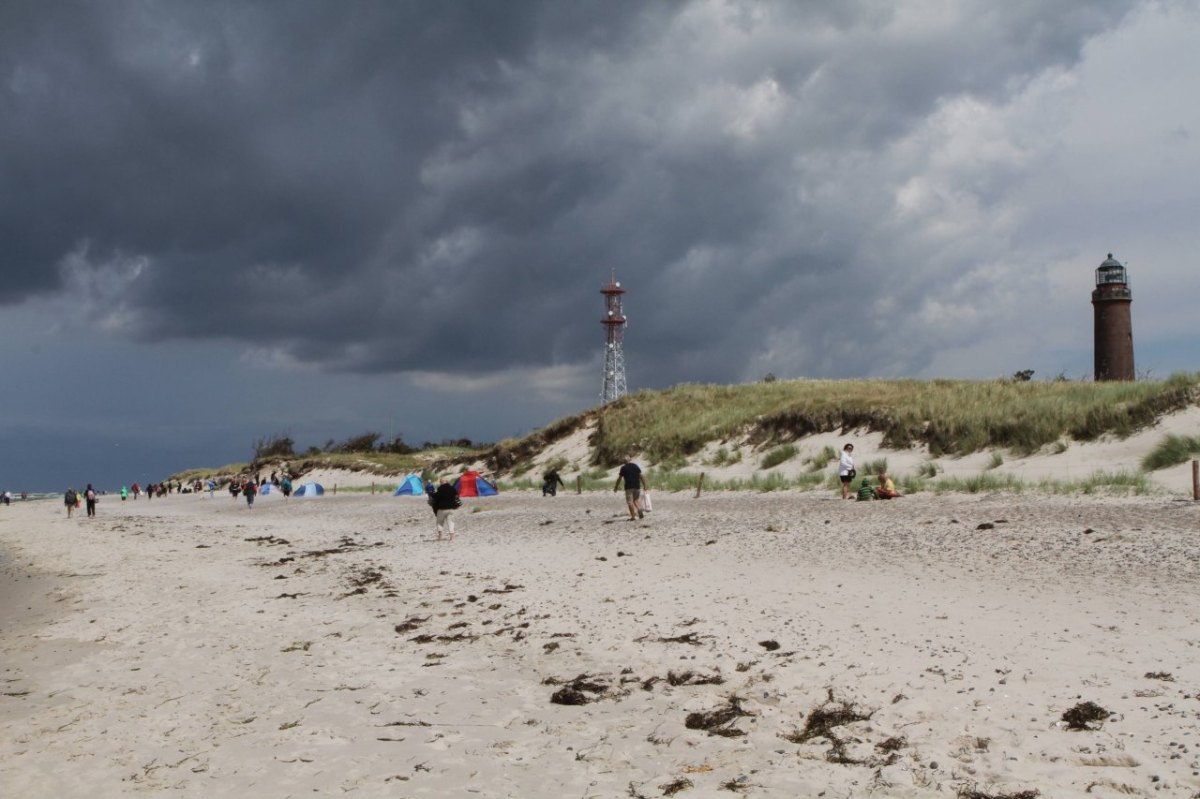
614	342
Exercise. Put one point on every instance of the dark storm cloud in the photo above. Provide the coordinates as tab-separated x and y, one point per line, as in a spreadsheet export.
444	186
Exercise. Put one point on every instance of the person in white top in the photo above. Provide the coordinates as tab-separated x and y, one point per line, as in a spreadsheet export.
846	470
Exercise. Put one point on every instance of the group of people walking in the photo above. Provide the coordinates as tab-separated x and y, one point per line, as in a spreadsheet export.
73	499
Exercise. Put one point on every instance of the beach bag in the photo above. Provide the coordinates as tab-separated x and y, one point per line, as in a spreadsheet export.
645	503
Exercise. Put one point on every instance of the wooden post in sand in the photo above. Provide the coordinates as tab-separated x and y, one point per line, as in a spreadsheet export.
372	487
1196	481
335	489
699	485
578	484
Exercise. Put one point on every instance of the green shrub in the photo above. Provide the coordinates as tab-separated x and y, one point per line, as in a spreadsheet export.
928	469
996	461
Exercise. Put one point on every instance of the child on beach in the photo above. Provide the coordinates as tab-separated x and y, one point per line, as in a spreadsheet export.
865	492
250	490
70	499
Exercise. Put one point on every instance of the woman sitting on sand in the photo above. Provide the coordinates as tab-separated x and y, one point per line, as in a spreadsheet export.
886	488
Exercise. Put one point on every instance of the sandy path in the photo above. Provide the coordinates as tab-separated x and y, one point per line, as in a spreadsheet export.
204	649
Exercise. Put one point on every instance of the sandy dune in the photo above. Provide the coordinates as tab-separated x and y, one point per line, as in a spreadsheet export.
193	647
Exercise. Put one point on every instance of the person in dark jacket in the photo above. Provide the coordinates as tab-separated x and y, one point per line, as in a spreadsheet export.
445	502
550	483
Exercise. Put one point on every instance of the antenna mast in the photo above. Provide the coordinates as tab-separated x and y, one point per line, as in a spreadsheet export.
614	337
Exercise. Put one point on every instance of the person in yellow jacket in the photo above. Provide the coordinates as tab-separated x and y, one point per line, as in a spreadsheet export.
886	488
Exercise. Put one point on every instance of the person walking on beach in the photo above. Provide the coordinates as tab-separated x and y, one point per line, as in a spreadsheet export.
250	490
846	471
89	497
550	483
70	499
445	502
635	483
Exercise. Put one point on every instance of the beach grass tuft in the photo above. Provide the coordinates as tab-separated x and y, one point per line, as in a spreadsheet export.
1172	451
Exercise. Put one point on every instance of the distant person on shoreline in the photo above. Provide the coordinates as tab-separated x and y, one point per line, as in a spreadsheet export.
70	499
846	471
89	497
137	489
285	486
550	483
250	490
445	502
635	482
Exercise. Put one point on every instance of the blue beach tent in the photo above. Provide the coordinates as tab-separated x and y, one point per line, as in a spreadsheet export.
310	490
410	486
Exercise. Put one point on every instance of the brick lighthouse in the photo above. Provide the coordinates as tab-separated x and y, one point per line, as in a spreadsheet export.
1114	329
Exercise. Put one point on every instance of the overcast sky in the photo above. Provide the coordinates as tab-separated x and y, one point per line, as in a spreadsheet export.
225	220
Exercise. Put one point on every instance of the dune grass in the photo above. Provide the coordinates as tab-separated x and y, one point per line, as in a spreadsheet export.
1172	451
192	475
948	416
781	454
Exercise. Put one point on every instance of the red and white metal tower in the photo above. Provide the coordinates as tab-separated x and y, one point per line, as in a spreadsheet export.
614	337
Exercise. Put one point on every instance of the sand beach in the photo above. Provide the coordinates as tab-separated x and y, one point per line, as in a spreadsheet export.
780	644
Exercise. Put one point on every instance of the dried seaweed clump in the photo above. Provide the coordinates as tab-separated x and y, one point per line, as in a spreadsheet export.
672	788
822	720
719	721
971	792
690	677
577	691
1083	715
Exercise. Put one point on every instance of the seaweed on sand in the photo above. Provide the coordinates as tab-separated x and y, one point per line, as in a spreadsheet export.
1083	715
690	677
411	623
580	691
971	792
721	720
821	724
687	638
672	788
